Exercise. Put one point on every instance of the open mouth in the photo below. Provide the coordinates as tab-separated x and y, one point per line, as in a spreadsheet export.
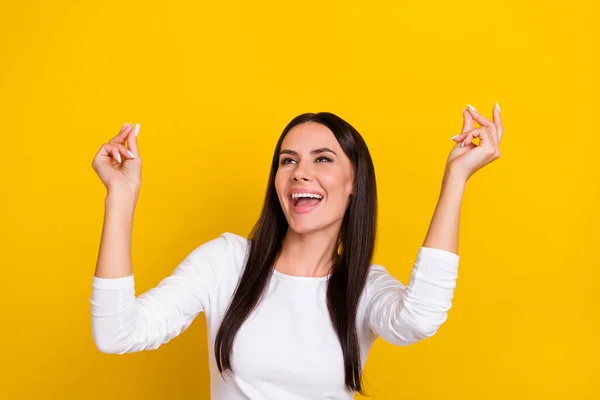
304	204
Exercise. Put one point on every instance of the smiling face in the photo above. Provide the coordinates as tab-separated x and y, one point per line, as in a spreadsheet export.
312	161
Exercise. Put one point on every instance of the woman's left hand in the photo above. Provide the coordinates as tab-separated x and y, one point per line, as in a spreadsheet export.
465	161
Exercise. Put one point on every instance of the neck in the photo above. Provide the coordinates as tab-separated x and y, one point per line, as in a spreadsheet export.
308	254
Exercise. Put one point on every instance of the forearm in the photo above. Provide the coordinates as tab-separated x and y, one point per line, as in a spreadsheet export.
443	229
114	256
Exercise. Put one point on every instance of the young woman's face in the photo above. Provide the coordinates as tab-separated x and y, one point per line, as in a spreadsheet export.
312	161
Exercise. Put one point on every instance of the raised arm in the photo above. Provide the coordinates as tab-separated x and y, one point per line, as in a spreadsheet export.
406	314
122	323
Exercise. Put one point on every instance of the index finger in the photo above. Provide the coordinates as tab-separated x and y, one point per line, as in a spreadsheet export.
120	138
483	121
467	122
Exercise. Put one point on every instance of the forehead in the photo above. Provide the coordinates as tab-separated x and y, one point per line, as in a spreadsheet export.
309	135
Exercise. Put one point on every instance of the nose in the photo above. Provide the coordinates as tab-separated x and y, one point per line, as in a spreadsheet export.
299	174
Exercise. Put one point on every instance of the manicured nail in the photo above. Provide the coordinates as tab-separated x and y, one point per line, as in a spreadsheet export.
131	154
137	129
472	108
463	143
497	106
119	157
455	136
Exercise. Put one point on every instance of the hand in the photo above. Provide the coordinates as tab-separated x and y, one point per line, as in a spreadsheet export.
119	167
465	161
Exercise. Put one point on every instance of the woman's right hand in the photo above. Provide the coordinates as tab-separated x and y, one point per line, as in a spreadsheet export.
120	167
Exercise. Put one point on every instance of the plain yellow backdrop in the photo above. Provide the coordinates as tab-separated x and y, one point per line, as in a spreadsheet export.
213	84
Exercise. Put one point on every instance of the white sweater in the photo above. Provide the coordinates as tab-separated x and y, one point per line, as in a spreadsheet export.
287	348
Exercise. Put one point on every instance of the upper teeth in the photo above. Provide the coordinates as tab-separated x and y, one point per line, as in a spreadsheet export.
314	195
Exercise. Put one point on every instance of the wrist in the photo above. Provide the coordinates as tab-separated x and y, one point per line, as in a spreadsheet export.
455	179
121	195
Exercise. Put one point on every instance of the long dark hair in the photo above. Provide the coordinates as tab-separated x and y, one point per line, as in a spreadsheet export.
352	256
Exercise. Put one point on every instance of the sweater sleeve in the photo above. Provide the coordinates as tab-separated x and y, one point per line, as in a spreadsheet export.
122	323
403	315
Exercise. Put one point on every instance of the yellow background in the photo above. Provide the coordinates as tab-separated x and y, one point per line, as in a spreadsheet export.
213	84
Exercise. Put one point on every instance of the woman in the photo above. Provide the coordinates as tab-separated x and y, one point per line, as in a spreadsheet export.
293	310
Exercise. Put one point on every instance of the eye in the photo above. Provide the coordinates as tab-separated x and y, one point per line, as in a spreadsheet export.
285	160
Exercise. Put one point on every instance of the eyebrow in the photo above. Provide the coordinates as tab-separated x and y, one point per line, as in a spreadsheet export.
315	151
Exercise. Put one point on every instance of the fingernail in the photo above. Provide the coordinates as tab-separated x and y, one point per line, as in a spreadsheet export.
455	136
472	108
137	129
497	106
131	154
463	143
119	157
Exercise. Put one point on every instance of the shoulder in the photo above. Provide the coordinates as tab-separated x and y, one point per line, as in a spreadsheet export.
377	274
216	260
226	244
380	288
375	271
236	241
225	253
236	246
380	284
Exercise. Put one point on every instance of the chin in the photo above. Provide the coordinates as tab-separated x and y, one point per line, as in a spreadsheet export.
304	227
308	226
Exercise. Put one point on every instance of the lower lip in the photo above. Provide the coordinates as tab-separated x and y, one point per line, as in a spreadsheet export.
304	210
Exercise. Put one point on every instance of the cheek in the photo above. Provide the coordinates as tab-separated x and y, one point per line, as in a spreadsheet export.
280	182
334	182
